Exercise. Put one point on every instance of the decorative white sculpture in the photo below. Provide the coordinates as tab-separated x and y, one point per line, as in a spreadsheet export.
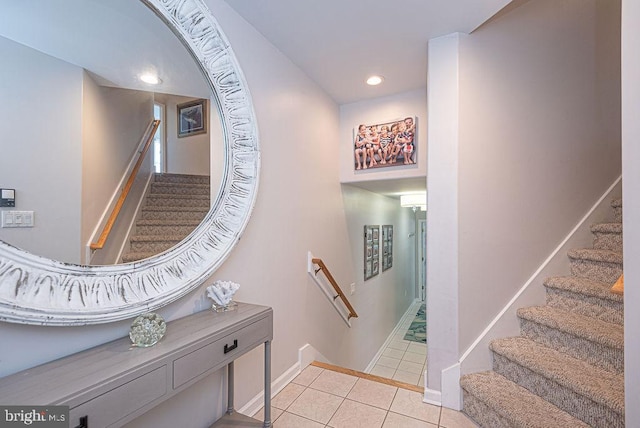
221	292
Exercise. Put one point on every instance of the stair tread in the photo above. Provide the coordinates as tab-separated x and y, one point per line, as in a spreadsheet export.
161	222
616	203
180	184
606	228
594	330
515	403
595	383
135	256
583	286
595	255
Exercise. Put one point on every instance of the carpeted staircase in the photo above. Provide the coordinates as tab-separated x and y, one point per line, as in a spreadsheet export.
566	369
174	206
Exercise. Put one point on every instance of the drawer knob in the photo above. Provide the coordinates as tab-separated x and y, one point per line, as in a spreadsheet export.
228	348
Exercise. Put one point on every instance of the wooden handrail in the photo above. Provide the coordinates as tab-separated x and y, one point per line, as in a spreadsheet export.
336	287
618	287
125	191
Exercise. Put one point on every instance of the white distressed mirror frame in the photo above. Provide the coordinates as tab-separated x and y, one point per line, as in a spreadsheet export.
37	290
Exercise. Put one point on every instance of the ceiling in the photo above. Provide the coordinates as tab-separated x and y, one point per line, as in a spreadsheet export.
115	40
339	43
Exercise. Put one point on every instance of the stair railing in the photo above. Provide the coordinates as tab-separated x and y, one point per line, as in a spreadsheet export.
350	312
149	133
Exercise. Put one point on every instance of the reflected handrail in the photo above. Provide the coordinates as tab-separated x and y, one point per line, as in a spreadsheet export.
151	131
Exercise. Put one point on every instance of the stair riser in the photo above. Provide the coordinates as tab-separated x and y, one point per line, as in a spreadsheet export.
172	215
178	190
604	310
482	414
181	179
595	270
581	407
171	202
606	357
608	241
165	230
143	247
617	214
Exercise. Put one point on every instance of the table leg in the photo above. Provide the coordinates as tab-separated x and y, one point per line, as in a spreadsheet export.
267	384
230	381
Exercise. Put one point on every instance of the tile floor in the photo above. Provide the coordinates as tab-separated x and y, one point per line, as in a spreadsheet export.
403	360
319	398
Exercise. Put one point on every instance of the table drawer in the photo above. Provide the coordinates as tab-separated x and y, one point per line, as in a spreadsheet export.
118	403
220	352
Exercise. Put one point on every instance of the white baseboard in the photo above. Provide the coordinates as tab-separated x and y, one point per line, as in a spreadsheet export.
306	355
409	314
431	396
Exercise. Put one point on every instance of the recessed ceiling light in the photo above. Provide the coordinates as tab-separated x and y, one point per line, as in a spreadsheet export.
149	78
374	80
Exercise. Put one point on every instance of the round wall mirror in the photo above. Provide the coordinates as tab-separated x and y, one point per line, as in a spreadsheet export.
39	289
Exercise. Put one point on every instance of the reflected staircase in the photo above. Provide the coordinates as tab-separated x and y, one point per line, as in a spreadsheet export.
174	206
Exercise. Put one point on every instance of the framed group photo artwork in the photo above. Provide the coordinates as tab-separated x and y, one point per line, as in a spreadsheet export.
192	118
385	144
387	247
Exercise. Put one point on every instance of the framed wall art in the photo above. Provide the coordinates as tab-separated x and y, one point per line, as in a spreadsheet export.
371	251
385	144
192	118
387	247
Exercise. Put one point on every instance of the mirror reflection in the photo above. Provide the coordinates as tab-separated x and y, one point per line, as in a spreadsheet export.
76	116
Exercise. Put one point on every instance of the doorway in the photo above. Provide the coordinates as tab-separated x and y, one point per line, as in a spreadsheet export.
159	140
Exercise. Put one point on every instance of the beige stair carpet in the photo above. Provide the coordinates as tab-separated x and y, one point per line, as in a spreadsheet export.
566	369
173	208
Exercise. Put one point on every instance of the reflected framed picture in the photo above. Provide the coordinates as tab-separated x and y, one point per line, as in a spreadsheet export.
192	118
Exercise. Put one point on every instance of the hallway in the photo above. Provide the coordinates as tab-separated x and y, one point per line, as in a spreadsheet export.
404	356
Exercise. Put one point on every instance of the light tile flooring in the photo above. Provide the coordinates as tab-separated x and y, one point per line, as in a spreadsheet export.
403	360
319	398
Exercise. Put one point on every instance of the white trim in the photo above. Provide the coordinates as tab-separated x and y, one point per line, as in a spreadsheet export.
451	391
306	355
257	403
115	195
535	275
468	362
134	219
410	312
431	396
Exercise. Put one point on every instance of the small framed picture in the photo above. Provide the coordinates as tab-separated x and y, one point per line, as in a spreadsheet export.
192	118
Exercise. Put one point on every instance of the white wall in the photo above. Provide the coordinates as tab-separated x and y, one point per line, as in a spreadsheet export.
41	149
536	128
380	110
113	124
539	142
300	207
631	204
186	155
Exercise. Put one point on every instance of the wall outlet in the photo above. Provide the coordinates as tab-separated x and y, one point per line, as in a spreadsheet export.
353	288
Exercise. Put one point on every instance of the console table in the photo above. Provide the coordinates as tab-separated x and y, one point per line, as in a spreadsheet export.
112	384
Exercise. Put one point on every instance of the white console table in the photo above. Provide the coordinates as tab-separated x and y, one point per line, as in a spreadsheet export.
114	383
